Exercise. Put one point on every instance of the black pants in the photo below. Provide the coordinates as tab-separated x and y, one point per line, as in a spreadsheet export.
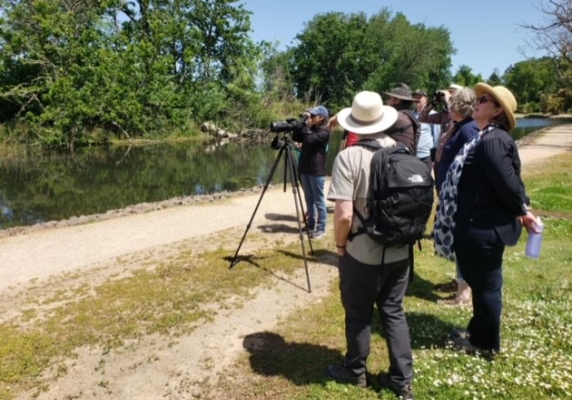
361	287
479	254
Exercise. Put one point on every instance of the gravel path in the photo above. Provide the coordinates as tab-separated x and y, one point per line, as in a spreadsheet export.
179	371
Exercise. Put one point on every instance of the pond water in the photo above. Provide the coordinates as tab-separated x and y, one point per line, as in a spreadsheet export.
57	186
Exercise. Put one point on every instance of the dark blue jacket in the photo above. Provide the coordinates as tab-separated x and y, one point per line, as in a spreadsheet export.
491	194
464	132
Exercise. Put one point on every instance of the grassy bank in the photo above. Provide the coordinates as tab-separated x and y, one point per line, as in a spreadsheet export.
171	295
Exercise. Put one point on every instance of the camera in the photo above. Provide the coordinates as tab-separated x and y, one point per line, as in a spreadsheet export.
289	125
439	98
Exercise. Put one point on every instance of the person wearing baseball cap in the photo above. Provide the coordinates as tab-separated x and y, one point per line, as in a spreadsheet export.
314	138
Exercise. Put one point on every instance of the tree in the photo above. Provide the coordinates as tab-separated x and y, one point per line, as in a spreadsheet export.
495	79
131	67
465	77
333	58
339	54
529	80
414	54
554	35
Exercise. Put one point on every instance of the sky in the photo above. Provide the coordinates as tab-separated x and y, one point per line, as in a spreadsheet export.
486	33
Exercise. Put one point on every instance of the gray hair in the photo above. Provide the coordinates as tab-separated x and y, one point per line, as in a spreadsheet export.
462	102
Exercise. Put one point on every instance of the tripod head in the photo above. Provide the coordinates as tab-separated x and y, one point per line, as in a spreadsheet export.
281	140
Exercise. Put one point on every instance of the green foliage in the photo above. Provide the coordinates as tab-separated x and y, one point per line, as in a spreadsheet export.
333	58
133	68
495	79
465	77
531	80
340	54
416	55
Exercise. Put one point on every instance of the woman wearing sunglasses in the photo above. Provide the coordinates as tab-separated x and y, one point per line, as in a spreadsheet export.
483	208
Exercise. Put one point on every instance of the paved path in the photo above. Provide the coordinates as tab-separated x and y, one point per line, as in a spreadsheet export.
553	141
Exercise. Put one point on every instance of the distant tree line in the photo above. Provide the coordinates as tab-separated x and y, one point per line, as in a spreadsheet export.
75	72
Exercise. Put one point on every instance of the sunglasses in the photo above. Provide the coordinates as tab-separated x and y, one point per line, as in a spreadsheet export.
484	99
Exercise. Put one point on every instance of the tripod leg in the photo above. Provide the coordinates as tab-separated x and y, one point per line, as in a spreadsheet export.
298	204
233	262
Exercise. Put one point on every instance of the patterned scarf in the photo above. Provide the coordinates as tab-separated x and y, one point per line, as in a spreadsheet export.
447	208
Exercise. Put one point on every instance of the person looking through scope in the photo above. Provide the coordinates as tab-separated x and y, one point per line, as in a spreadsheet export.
314	137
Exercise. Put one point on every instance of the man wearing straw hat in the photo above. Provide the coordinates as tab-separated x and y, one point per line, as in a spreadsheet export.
364	281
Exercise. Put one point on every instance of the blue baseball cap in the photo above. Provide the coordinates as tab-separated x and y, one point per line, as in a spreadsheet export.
319	110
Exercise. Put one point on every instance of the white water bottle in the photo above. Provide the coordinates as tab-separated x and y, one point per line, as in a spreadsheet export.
534	240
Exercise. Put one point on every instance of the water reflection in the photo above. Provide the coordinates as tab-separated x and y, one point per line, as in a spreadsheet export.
58	186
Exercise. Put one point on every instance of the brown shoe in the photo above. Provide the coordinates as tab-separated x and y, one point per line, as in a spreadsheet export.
455	300
447	287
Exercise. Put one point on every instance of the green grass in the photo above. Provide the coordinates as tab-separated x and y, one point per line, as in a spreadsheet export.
536	361
549	186
184	289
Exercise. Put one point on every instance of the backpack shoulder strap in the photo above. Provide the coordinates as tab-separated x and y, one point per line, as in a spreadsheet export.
414	121
371	144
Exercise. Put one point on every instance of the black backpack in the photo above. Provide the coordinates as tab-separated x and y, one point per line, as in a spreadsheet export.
400	198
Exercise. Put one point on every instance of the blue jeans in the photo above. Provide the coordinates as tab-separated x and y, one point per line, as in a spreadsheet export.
315	201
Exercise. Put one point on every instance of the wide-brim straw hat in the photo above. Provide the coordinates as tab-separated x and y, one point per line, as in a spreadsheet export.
503	96
367	115
453	87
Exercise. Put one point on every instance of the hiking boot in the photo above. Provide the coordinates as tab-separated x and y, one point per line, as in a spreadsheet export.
447	287
341	374
317	234
403	392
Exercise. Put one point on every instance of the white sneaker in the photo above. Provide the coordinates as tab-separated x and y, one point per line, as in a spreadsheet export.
317	234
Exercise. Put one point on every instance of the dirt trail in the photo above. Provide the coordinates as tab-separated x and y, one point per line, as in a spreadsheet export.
176	371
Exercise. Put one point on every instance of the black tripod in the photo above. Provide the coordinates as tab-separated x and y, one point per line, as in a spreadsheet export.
289	170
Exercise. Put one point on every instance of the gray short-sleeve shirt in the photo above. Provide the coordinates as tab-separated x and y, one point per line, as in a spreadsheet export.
350	181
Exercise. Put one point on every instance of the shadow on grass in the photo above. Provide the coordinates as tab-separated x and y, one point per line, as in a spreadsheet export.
428	330
425	330
252	260
422	289
323	256
280	217
278	228
300	363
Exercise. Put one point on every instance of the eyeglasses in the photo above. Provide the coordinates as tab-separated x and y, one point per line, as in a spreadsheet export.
484	99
